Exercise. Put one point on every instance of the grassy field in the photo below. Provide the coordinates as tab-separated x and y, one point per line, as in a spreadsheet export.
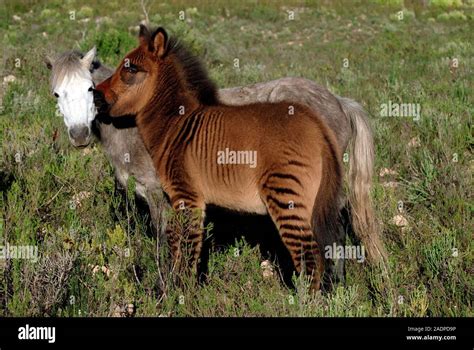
94	256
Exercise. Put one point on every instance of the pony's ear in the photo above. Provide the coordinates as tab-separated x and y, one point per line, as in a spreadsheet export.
144	35
159	42
89	57
48	61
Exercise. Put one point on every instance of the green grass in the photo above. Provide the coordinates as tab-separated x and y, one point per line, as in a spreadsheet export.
95	258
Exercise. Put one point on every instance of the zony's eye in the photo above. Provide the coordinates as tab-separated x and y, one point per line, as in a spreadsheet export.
132	69
56	94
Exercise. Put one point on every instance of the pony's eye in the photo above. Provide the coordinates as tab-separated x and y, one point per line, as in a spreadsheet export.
56	94
91	89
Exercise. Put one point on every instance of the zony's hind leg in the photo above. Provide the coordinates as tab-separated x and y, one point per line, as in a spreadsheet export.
292	217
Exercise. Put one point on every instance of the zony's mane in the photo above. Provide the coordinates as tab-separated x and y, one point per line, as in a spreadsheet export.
195	74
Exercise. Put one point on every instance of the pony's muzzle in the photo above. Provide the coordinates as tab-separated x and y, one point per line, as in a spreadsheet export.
80	135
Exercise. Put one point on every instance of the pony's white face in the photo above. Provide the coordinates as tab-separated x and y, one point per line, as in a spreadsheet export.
74	93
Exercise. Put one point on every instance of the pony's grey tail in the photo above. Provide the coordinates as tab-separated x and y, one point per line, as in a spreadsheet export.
361	166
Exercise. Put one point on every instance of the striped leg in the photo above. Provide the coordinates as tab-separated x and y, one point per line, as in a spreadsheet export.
193	238
185	234
174	241
293	220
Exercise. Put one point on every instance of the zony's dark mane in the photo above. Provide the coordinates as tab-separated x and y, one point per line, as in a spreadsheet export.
196	75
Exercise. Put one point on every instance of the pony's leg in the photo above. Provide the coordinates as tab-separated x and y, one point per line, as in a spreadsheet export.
292	218
342	230
158	207
335	268
174	239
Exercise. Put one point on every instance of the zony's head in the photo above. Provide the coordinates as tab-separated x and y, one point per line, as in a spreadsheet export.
72	85
129	89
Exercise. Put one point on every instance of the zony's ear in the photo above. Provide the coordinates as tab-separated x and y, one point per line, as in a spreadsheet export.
144	34
160	42
89	57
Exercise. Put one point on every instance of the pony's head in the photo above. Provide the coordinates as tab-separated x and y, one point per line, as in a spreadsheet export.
72	85
159	65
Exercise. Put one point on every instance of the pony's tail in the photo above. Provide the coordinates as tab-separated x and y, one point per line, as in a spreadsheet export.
361	166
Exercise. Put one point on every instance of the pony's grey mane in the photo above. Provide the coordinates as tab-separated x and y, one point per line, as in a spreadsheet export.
69	63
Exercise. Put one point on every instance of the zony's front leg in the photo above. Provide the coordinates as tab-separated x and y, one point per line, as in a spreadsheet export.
185	232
